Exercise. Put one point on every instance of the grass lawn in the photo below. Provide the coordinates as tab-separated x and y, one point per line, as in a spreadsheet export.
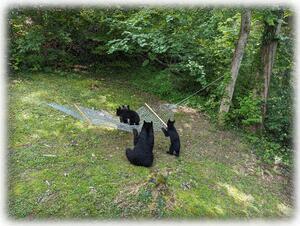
60	167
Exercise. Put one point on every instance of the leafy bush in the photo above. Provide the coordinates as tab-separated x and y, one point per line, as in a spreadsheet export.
278	122
249	110
270	151
194	70
26	48
188	47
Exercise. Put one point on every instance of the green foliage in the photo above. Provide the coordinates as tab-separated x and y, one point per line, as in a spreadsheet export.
159	87
88	176
165	42
195	70
145	195
249	110
278	123
188	47
159	83
270	151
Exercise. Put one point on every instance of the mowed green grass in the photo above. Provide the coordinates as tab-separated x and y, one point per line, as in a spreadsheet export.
60	167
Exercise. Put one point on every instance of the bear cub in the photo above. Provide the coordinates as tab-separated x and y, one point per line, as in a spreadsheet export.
142	153
174	138
128	116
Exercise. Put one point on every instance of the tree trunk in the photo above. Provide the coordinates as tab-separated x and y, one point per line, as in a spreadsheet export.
236	61
268	51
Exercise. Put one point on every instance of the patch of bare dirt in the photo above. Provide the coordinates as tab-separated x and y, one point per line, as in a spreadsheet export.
202	140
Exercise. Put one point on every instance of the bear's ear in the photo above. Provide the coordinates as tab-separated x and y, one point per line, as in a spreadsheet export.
151	123
128	107
169	120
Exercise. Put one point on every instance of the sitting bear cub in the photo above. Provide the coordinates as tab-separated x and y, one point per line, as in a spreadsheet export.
142	153
174	138
128	116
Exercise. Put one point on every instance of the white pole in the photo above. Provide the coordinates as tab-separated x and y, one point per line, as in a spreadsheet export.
155	114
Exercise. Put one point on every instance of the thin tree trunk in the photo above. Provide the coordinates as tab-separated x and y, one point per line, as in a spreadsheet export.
268	51
236	61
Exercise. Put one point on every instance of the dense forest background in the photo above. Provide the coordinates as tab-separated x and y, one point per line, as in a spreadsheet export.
176	51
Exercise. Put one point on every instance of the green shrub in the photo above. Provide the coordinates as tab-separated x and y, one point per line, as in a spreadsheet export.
270	151
248	111
278	122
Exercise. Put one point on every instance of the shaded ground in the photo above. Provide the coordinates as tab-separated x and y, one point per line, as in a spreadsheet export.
60	167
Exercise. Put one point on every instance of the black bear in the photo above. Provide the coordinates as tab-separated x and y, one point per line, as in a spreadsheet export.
135	136
120	112
142	153
128	116
174	138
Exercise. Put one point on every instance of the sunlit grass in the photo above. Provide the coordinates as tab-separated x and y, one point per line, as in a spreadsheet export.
238	195
60	167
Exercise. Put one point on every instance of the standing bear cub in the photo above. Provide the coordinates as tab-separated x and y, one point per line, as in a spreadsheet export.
142	153
128	116
174	138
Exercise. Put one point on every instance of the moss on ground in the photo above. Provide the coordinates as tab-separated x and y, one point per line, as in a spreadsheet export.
60	167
